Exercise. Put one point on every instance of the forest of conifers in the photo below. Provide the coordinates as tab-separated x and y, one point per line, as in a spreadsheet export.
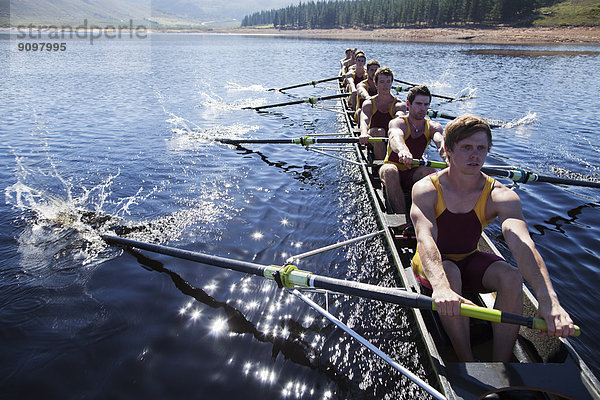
396	13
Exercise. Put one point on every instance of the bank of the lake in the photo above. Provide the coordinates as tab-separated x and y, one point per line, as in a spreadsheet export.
492	35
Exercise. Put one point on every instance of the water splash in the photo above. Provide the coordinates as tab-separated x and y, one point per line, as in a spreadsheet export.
185	138
239	88
65	218
528	119
466	93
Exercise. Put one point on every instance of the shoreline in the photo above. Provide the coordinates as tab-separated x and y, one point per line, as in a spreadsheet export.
491	35
475	35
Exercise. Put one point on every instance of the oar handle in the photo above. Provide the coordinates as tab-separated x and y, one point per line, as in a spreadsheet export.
488	314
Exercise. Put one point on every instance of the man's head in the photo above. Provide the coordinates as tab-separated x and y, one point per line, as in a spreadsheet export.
360	57
463	127
383	71
372	67
417	102
418	90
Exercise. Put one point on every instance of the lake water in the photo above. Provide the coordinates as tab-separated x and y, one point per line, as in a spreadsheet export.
116	133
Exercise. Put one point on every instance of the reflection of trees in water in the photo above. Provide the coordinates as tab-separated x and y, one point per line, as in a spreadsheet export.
555	223
304	173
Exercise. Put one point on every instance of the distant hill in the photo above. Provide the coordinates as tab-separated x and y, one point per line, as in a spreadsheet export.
160	13
570	13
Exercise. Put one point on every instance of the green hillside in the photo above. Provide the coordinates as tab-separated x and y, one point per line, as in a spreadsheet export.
570	13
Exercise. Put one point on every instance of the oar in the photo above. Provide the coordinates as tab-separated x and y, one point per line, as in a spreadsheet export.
304	141
517	175
289	276
439	114
401	89
314	83
405	83
311	100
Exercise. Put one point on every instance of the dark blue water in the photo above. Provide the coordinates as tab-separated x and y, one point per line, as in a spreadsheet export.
118	134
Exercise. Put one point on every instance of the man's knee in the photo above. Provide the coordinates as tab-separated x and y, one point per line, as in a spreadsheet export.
388	172
422	172
505	277
453	275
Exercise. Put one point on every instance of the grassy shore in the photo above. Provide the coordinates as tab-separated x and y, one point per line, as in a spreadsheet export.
495	35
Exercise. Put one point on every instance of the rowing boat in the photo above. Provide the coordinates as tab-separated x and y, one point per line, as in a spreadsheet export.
541	367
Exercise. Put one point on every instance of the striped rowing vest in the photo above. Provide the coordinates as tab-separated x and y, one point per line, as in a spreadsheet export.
357	79
458	234
416	146
381	119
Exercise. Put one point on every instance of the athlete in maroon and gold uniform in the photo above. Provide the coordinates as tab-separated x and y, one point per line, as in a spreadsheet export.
353	78
378	111
449	211
458	237
367	88
409	137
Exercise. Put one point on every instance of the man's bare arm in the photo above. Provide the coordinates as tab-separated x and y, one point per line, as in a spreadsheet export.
396	132
438	138
507	205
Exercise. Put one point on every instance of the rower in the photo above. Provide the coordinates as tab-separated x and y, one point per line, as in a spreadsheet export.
353	78
379	110
409	137
348	62
367	88
347	58
449	211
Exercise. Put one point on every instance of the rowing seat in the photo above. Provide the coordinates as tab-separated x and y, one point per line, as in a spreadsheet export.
395	221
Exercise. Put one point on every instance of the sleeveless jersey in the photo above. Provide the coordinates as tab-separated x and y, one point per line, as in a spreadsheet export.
372	90
416	146
458	234
381	119
358	79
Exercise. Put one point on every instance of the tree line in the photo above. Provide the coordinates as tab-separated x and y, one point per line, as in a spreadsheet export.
396	13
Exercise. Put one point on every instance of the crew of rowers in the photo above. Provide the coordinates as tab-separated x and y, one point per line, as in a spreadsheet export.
450	208
381	114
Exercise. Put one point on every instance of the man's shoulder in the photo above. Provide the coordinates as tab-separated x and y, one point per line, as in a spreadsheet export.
501	194
435	126
424	187
399	121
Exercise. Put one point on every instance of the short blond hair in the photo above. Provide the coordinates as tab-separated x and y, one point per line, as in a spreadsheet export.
383	71
465	126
